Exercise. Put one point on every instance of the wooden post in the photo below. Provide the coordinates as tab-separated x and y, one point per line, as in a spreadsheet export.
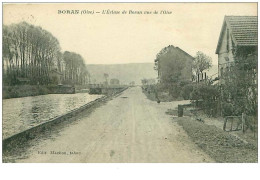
243	122
180	110
225	123
232	119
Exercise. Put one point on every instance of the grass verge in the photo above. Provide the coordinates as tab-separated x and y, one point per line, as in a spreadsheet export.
219	145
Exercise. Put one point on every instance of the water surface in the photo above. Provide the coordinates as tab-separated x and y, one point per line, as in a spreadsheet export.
23	113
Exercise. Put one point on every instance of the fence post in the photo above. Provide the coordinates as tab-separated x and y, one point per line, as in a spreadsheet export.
180	110
243	122
225	123
232	120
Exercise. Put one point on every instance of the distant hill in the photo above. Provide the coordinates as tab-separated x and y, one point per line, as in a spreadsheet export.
126	73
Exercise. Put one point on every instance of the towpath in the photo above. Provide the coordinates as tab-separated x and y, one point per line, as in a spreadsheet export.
129	128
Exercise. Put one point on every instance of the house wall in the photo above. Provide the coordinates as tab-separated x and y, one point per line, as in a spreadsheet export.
224	53
187	71
169	64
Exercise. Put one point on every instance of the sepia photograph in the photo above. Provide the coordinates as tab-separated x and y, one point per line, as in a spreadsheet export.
130	82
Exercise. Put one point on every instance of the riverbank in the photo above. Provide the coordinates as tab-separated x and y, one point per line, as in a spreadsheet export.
15	146
37	90
34	90
20	114
24	91
127	129
220	145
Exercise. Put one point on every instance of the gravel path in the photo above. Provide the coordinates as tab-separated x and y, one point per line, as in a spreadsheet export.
129	128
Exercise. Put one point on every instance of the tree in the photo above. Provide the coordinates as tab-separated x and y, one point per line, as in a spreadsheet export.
106	78
30	52
201	62
239	86
144	81
75	69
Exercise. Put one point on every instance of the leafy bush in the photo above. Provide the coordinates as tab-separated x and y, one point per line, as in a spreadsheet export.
186	91
175	90
43	91
207	95
240	82
227	109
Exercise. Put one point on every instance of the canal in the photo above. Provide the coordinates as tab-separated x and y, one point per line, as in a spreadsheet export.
20	114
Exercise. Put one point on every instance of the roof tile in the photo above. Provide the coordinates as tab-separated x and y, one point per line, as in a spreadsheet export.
244	29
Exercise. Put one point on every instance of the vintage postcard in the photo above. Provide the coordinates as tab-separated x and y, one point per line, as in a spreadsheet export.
130	83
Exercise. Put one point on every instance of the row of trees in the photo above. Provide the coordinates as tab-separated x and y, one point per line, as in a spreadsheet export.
31	53
75	70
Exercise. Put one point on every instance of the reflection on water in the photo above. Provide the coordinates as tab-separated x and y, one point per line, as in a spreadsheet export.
20	114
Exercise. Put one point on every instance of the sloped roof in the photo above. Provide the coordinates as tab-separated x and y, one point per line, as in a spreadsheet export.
185	53
243	30
177	48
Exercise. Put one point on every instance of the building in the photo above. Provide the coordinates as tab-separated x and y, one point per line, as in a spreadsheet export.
173	61
237	65
237	33
114	81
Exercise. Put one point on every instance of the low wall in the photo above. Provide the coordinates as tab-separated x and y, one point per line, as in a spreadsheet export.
106	91
62	89
29	134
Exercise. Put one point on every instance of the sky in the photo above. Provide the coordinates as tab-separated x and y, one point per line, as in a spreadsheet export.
130	38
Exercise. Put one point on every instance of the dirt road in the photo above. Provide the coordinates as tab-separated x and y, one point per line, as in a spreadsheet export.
129	128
